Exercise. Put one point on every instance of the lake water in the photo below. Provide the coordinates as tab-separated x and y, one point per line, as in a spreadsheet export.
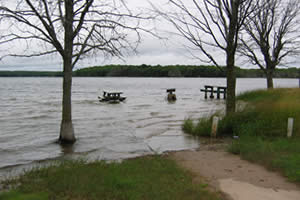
30	115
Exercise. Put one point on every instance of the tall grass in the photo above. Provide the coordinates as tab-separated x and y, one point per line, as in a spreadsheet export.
265	115
201	128
262	129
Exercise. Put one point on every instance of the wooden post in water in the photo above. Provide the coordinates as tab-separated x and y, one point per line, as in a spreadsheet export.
214	127
171	96
290	127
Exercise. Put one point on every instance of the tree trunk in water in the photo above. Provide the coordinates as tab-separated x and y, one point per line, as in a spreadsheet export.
230	58
66	128
269	76
231	84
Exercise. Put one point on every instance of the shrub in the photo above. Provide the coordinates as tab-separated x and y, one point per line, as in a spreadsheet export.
188	126
201	128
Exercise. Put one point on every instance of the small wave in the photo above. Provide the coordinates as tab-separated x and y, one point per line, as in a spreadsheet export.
154	113
44	116
12	99
28	164
6	150
11	165
185	98
106	119
81	92
149	124
131	121
153	118
88	102
51	104
53	111
165	116
142	106
157	133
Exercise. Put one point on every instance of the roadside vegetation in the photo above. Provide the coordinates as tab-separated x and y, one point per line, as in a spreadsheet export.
150	177
261	128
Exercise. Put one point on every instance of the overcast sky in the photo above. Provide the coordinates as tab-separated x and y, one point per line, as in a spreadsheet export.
151	51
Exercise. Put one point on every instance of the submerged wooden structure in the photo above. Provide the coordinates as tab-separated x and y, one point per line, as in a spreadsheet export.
171	96
211	89
111	97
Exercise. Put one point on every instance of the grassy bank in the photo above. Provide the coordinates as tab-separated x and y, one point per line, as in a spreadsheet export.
262	129
142	178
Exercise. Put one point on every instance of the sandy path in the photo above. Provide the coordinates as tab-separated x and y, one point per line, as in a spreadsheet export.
239	179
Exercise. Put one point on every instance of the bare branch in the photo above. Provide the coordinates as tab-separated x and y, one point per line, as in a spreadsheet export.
208	24
95	24
33	54
272	32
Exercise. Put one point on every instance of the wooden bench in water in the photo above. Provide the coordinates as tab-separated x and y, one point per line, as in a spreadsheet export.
214	89
111	97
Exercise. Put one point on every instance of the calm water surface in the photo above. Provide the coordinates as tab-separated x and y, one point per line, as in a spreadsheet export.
30	114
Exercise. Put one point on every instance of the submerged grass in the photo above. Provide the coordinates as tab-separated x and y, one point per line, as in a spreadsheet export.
152	177
262	130
201	128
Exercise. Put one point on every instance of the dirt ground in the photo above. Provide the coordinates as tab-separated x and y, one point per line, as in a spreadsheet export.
237	179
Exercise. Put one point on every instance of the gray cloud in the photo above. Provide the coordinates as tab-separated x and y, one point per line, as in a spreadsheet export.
152	51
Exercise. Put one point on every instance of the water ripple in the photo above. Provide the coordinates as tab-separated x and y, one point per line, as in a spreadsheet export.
30	114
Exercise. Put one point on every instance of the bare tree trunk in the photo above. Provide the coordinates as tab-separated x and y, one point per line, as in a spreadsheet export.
210	26
269	75
71	28
230	58
231	85
66	128
271	39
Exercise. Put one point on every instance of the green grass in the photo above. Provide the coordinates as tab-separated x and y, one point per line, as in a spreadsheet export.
154	177
262	130
14	195
201	128
266	115
280	154
261	95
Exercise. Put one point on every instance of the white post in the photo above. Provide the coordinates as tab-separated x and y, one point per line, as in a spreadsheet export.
290	127
214	127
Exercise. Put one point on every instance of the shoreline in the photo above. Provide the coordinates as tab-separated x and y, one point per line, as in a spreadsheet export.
224	173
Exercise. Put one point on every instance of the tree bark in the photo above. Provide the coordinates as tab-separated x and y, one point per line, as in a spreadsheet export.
230	58
269	75
231	85
66	129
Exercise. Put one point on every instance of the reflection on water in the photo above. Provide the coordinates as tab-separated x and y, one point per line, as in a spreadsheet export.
30	113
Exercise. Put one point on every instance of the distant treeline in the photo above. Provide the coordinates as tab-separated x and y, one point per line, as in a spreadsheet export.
156	71
29	74
177	71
